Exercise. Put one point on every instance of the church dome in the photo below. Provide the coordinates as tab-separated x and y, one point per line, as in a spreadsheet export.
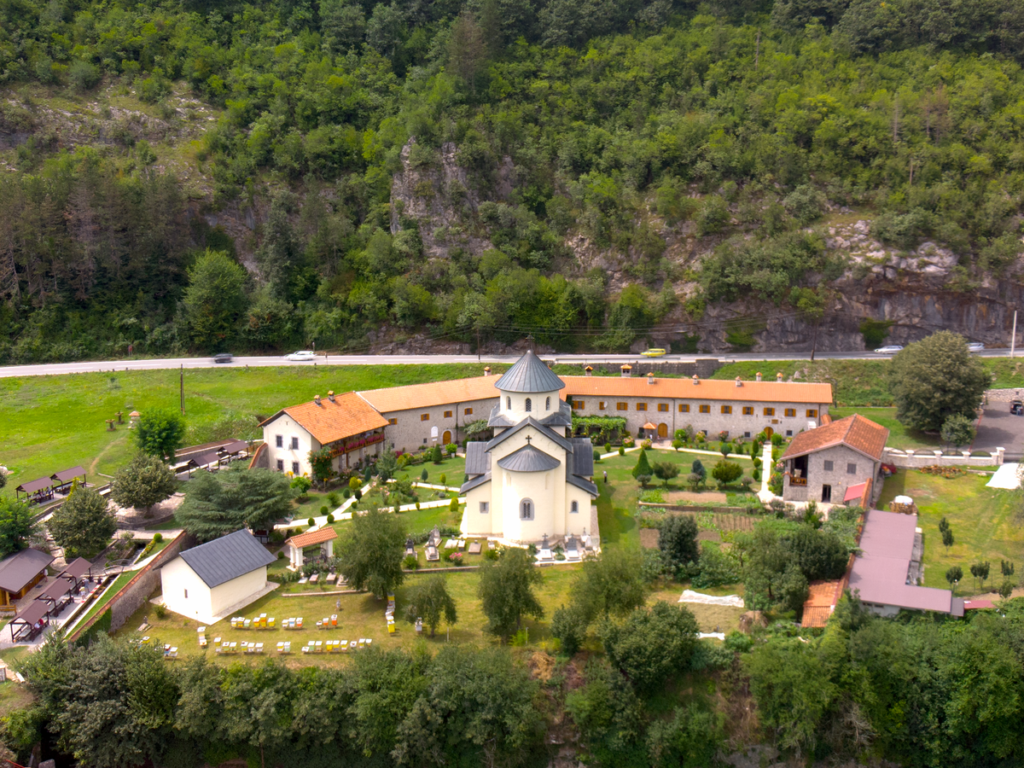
529	375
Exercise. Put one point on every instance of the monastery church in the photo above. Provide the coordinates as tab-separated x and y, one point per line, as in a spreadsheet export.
530	480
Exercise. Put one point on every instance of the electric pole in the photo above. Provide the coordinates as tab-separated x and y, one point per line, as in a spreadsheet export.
1013	338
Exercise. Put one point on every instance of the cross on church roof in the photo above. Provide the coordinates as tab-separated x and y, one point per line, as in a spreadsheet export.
528	439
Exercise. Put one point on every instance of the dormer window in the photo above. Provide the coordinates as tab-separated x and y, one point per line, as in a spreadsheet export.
529	405
547	404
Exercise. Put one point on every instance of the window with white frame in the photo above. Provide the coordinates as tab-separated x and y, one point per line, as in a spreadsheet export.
526	510
279	441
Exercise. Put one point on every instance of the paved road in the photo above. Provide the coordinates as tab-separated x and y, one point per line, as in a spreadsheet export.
242	362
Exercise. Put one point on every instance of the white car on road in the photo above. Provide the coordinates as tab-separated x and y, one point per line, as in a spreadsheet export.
975	346
302	356
891	349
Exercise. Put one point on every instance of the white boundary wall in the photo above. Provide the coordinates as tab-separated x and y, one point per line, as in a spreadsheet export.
924	458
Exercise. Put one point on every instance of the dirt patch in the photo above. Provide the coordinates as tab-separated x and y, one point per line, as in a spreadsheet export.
649	538
542	665
706	497
709	536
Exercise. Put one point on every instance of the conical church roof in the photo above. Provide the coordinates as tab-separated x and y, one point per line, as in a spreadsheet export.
529	375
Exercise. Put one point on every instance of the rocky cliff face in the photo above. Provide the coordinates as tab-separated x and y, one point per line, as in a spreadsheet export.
917	292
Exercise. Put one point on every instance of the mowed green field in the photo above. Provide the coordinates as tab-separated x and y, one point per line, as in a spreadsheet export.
54	422
984	524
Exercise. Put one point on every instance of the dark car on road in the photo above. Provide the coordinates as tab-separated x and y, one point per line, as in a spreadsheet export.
223	357
1017	408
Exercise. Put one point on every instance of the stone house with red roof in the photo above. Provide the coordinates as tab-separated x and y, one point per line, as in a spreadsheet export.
825	463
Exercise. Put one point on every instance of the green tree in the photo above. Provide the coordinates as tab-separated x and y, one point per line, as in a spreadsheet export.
934	379
958	430
665	471
83	524
609	717
980	572
429	600
793	690
215	300
691	739
228	501
610	583
343	25
954	575
569	625
467	51
947	538
642	471
507	591
677	541
652	644
159	433
16	526
726	472
371	555
143	482
322	463
386	465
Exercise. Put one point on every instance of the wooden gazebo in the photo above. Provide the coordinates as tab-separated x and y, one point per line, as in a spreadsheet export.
62	480
36	490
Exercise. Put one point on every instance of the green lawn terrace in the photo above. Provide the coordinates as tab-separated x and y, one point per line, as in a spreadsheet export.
985	523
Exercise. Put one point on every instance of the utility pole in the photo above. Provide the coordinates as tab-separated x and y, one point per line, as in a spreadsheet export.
1013	339
182	390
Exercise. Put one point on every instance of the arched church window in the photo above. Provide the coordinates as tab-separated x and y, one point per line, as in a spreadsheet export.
526	510
575	507
529	405
508	403
547	404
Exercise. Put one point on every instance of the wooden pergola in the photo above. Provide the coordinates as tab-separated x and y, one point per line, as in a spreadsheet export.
28	624
36	490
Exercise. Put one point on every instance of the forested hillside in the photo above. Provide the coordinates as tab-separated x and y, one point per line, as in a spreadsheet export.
252	175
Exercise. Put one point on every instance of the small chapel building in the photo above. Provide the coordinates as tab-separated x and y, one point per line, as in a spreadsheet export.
530	480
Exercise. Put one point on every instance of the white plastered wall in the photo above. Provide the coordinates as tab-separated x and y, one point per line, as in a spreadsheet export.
288	428
176	580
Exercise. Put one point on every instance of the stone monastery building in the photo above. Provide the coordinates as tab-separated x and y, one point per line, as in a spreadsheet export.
355	426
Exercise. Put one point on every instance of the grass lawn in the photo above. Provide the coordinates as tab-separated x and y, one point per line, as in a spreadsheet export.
40	439
982	520
900	437
361	616
617	504
453	468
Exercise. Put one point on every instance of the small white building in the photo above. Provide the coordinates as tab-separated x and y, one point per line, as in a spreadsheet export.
530	481
216	579
296	544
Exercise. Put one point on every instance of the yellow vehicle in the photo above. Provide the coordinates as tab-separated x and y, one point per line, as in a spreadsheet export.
653	353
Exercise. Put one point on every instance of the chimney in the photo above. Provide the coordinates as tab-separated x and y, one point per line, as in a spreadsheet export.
738	382
758	376
330	395
695	379
778	376
650	378
588	371
316	399
487	371
626	370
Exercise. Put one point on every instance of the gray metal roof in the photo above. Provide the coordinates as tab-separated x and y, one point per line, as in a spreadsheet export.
528	459
20	568
36	485
478	460
560	418
582	483
582	456
476	481
529	421
227	558
529	374
498	419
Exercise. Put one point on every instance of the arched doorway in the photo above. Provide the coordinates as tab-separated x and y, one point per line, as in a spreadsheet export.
768	432
447	437
663	431
433	433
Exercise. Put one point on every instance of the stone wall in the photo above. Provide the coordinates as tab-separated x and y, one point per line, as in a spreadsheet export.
1004	395
920	459
137	591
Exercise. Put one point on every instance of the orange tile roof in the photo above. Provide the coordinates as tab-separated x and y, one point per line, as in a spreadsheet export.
434	393
348	416
821	601
861	434
705	389
310	538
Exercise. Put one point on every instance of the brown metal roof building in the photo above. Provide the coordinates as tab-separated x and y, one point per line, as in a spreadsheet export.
20	572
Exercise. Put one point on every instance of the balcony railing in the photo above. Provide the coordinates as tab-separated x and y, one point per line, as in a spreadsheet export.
798	481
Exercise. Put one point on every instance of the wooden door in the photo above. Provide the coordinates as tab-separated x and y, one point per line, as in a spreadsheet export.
446	438
768	432
663	430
